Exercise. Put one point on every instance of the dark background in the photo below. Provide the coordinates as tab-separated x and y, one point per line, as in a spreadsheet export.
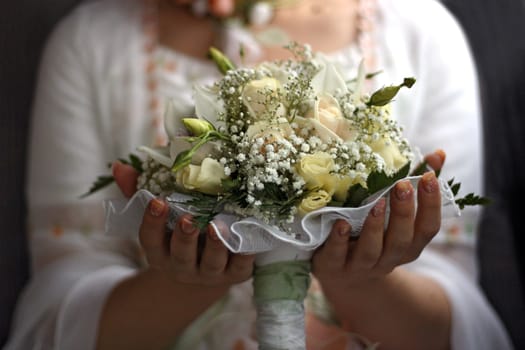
496	30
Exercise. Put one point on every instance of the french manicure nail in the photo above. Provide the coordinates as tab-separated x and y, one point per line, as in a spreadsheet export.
430	184
379	208
157	207
403	190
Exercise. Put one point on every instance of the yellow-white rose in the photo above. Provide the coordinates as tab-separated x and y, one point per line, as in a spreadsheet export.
328	114
257	94
273	132
315	170
315	200
390	153
338	186
205	178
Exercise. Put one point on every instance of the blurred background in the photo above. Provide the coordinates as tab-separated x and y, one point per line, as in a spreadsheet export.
495	30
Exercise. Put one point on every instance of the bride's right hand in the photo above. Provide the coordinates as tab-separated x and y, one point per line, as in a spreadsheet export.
178	254
125	177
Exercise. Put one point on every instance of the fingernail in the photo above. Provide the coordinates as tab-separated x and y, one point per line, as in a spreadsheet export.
343	229
442	155
403	190
113	166
212	234
379	208
187	226
156	207
430	184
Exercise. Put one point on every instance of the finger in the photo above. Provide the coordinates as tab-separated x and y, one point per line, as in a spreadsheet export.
214	257
428	216
400	228
183	247
240	267
370	244
126	178
436	159
152	234
221	8
332	255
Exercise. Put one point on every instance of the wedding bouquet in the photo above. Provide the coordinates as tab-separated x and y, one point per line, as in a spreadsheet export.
275	154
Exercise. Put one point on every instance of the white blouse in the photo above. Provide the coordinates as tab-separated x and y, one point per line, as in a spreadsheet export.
94	104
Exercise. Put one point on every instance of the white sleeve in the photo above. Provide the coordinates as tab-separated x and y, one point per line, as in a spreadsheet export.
448	116
474	322
74	266
86	299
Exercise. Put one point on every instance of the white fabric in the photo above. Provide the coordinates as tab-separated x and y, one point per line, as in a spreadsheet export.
91	108
250	235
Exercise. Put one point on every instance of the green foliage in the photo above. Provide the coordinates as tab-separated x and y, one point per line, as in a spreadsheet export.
383	96
103	181
472	199
420	169
224	64
376	181
134	161
469	200
356	194
207	208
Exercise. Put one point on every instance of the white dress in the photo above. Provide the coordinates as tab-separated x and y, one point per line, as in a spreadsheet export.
93	106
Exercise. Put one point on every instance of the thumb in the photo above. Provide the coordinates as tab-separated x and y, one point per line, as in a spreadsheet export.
125	177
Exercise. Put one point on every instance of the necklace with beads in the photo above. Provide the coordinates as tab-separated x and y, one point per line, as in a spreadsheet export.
246	13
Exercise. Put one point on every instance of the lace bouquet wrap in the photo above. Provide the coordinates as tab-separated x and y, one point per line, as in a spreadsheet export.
275	155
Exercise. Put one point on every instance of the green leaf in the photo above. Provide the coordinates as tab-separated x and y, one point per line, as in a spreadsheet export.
472	199
420	169
229	185
367	76
455	188
377	180
183	159
223	63
356	194
101	182
134	161
383	96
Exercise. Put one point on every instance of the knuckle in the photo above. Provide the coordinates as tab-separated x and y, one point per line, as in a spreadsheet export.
184	239
411	256
181	260
368	258
211	268
382	269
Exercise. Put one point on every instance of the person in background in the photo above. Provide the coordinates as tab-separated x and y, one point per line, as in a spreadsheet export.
109	68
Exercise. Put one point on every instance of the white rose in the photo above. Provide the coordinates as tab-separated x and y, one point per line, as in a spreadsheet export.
390	153
315	170
261	95
338	186
205	178
328	114
266	130
315	200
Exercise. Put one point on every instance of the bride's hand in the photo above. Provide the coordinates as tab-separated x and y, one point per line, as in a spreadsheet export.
343	263
178	256
125	177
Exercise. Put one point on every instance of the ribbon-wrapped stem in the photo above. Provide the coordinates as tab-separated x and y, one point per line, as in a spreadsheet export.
279	292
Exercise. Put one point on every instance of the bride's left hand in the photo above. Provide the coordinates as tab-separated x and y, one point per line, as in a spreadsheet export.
343	263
